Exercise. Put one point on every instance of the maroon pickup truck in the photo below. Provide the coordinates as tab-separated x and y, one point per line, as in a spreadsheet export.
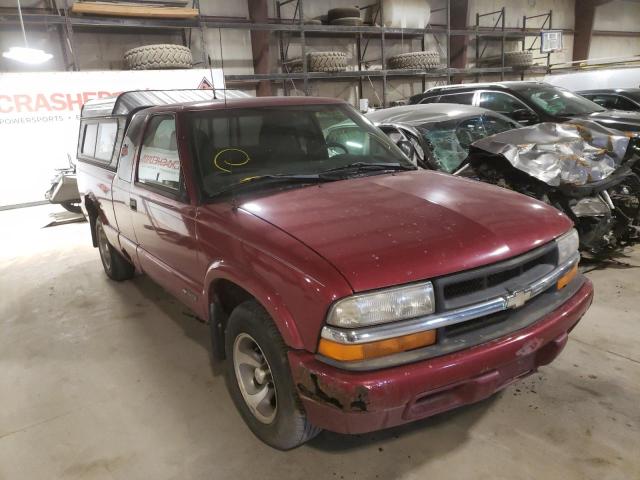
346	290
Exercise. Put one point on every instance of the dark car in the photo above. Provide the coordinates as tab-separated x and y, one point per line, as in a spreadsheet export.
440	134
531	102
615	98
346	289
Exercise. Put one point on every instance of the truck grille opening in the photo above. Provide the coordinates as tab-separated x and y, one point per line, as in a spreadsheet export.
494	280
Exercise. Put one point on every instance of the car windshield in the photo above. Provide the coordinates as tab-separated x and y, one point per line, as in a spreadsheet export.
557	101
238	145
450	140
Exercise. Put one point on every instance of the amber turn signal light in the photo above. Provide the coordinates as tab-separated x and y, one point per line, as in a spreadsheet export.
363	351
567	277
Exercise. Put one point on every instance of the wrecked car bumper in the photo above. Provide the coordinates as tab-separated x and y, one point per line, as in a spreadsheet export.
357	402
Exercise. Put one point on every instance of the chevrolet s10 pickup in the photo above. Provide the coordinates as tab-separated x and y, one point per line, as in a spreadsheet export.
344	288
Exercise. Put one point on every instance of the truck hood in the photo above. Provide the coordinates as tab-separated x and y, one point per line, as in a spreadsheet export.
385	230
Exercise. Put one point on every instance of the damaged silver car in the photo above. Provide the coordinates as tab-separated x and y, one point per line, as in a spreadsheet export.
582	168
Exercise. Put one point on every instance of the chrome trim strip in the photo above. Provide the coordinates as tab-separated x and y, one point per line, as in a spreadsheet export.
430	322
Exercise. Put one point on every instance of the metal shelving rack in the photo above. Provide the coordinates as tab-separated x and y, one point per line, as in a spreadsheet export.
58	16
362	36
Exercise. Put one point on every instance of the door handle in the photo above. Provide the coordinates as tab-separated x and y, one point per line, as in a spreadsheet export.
133	205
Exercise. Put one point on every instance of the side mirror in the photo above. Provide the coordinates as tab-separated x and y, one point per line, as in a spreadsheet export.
524	116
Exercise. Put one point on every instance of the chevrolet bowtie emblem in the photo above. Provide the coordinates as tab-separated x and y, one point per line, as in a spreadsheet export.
518	298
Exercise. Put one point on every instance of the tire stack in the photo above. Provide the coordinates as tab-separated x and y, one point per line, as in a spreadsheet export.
415	61
158	57
522	58
329	62
344	16
515	59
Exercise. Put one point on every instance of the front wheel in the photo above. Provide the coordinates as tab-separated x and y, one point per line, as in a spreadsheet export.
259	379
115	265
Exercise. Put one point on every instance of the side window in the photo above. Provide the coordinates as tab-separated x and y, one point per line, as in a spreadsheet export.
107	132
501	102
89	136
605	101
430	100
493	125
469	131
624	104
465	98
159	164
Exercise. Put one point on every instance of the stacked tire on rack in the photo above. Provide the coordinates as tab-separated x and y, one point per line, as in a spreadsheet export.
344	16
328	62
516	59
522	58
158	57
415	61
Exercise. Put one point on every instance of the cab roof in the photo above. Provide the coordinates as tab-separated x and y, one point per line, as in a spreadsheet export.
128	102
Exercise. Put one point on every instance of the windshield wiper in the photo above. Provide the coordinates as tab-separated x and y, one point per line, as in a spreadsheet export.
358	167
251	181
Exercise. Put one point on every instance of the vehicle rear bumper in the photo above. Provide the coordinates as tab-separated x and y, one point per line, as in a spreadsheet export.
356	402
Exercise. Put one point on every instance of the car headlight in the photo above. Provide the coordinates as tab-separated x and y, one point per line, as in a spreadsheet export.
567	245
389	305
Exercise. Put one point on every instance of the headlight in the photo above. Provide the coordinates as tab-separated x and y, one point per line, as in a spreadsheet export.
383	306
567	245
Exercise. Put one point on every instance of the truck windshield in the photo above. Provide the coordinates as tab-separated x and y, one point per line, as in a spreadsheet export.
557	101
236	145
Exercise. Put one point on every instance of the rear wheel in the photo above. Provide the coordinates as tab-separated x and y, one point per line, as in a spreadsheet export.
115	265
259	379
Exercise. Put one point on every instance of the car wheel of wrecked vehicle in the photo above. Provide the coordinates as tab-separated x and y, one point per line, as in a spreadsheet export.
115	265
259	379
72	207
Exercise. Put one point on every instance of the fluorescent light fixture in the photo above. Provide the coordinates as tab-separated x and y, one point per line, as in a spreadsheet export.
32	56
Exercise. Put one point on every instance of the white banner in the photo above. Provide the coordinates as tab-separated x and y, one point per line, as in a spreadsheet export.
40	112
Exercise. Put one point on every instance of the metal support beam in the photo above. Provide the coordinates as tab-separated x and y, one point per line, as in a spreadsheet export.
259	13
458	21
585	11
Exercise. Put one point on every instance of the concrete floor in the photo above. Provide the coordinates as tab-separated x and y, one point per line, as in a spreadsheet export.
100	380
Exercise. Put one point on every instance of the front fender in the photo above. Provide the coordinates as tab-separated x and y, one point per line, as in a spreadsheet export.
266	296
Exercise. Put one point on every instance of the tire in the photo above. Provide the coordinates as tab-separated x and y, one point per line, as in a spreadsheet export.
72	207
283	424
518	59
415	61
158	57
115	265
350	21
336	13
327	61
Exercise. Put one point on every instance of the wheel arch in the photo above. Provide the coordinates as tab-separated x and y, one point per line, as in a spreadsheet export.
225	291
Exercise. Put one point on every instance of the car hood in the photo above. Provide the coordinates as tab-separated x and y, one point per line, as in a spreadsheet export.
385	230
618	119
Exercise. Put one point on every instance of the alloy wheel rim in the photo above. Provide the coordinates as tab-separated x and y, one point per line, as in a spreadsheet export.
254	377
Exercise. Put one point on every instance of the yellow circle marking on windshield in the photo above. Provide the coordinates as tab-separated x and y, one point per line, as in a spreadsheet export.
230	163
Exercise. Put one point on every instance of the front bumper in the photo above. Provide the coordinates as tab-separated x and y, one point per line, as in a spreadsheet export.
356	402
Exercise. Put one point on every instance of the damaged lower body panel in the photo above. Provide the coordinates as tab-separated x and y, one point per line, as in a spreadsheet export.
348	401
